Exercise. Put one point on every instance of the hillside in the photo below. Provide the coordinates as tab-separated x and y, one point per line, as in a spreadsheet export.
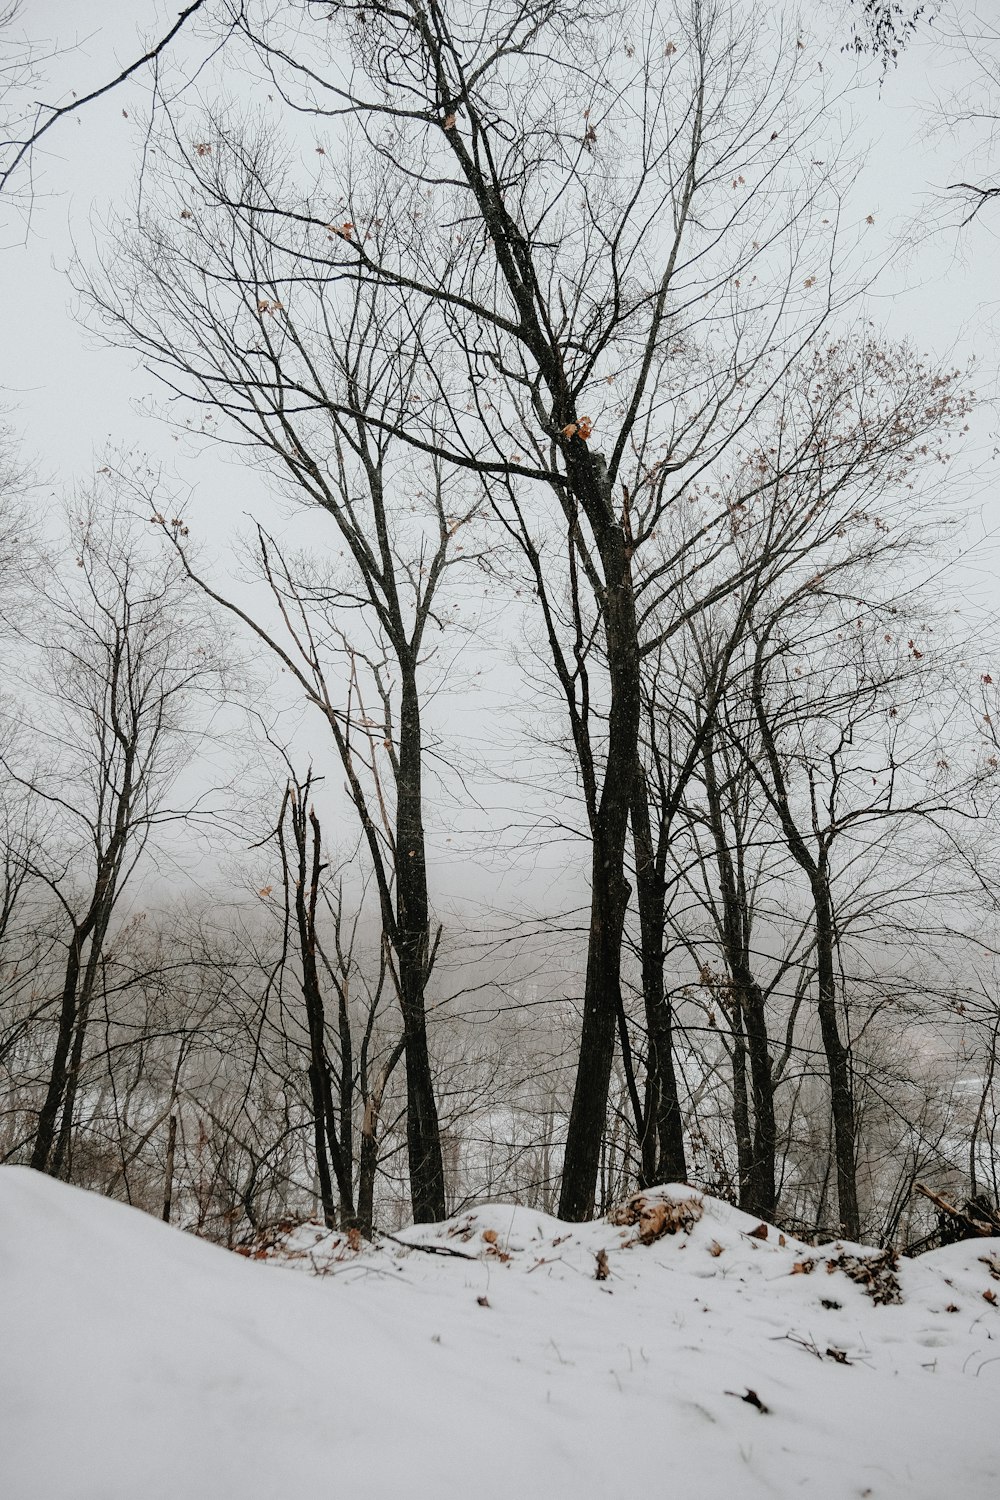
487	1358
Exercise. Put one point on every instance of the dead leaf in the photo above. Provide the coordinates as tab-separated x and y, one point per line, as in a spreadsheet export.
603	1269
751	1398
657	1216
490	1236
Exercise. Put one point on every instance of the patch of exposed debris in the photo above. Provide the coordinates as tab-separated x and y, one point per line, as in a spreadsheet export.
876	1274
291	1239
992	1264
657	1216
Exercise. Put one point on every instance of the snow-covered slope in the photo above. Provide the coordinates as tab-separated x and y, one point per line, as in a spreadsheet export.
137	1363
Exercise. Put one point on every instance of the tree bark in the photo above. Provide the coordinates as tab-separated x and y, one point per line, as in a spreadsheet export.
413	949
662	1155
168	1173
817	871
758	1169
45	1133
329	1149
837	1057
609	888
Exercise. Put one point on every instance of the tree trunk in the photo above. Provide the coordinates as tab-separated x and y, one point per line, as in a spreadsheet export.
61	1162
367	1167
837	1059
168	1173
662	1156
329	1149
609	888
758	1169
741	1107
45	1133
762	1194
423	1136
816	868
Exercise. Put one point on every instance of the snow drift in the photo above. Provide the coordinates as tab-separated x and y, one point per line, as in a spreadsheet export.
683	1349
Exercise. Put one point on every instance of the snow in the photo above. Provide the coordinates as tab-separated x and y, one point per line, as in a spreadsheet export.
137	1361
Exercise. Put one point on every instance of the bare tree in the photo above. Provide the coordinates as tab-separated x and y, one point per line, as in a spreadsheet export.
354	636
124	652
24	119
573	337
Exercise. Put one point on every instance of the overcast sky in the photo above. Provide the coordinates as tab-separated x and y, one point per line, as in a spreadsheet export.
70	397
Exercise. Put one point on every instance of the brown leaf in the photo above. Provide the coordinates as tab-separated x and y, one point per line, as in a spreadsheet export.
490	1236
603	1269
760	1233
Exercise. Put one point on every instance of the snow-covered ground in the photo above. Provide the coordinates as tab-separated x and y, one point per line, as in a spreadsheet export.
137	1363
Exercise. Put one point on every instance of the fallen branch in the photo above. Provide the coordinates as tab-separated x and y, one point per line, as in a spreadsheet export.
427	1249
982	1223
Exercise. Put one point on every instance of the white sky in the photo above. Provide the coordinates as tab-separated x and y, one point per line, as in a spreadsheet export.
70	397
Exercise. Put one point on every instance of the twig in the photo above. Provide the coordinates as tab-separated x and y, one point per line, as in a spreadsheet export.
427	1249
58	111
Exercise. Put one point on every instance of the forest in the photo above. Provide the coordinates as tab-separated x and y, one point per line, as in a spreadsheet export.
577	768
